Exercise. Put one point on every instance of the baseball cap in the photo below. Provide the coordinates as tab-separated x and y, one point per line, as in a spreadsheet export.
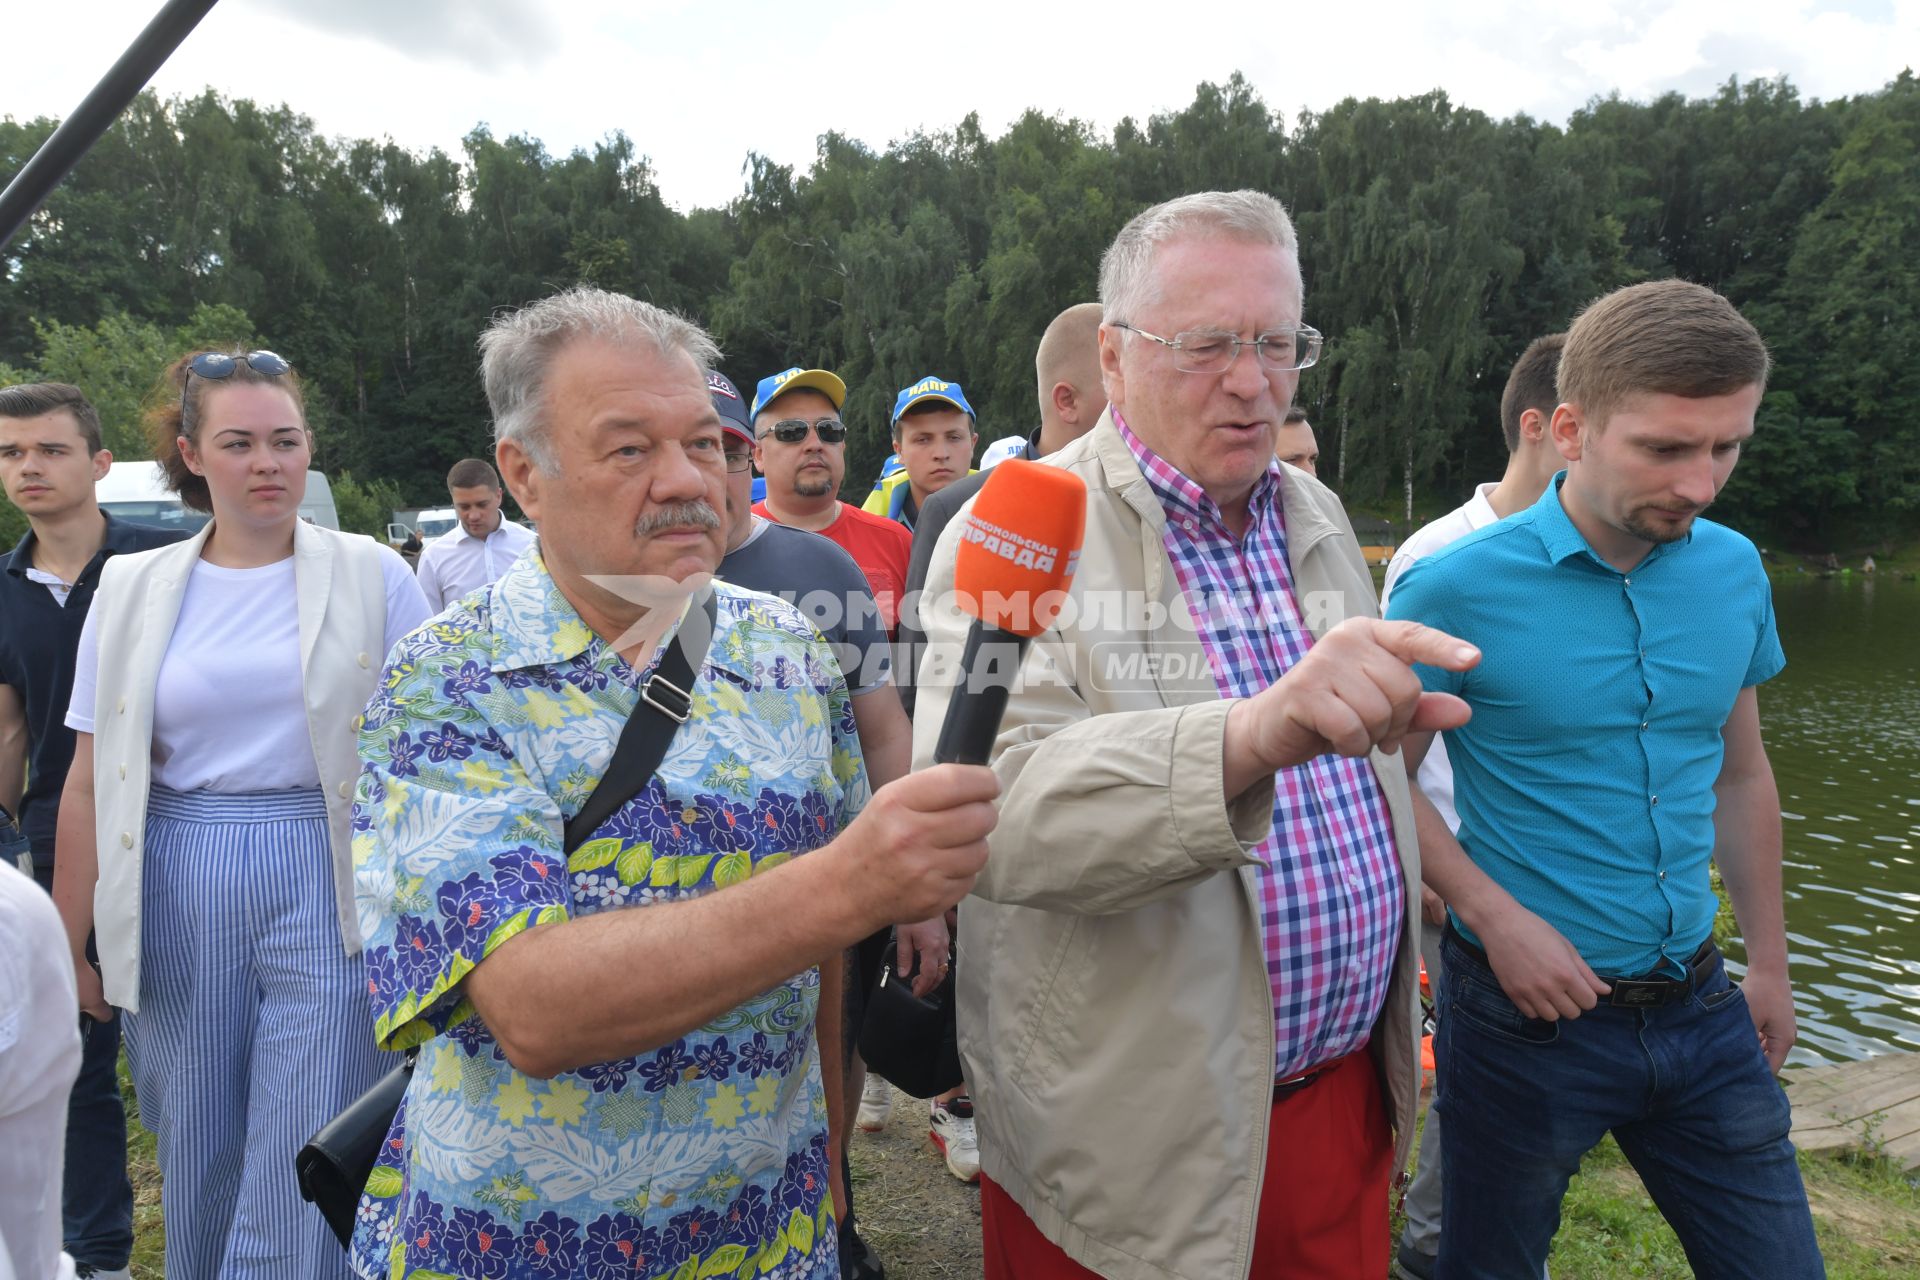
731	408
798	379
930	389
1002	449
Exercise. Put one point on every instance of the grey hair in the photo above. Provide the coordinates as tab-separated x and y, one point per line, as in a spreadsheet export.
518	346
1126	269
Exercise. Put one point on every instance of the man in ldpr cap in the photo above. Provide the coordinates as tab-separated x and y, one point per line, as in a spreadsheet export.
800	445
933	436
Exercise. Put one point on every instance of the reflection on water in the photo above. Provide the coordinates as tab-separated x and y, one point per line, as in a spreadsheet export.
1842	725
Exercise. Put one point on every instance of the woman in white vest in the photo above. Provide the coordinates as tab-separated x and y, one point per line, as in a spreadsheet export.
204	831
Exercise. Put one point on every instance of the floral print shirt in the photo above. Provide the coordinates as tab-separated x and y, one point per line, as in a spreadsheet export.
704	1158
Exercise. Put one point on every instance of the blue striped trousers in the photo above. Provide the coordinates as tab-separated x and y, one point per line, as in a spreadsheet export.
253	1030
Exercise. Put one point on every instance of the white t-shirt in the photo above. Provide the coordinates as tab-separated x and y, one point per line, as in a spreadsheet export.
228	708
39	1061
457	564
1436	772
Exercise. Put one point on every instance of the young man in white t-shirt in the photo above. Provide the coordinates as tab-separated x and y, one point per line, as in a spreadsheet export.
1526	409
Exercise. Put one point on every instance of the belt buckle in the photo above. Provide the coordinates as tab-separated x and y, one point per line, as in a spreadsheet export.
678	703
1636	993
1294	1084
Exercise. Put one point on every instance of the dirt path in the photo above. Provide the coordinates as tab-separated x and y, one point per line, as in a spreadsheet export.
922	1222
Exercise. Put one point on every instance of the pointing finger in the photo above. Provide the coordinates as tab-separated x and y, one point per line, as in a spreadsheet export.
1413	642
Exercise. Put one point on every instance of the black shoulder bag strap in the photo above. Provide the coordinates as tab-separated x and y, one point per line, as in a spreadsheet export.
334	1166
666	700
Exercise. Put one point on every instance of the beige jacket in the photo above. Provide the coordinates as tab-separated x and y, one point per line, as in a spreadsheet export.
1116	1021
343	616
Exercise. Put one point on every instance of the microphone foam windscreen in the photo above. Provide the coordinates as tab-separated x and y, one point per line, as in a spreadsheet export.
1019	546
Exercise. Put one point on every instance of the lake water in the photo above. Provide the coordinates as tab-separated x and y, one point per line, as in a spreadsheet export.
1842	725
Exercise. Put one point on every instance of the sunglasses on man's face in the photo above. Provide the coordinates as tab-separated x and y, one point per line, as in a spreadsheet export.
794	430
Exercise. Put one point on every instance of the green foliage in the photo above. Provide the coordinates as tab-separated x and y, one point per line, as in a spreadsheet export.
13	525
365	508
1435	241
118	359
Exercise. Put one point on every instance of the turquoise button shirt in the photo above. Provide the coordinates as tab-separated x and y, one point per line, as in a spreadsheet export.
1585	779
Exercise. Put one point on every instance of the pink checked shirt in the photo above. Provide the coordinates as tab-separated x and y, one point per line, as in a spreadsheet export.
1331	898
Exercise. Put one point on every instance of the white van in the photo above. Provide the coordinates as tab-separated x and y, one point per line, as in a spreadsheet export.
427	522
137	491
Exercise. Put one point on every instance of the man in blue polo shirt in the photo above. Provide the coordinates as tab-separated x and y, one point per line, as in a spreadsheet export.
1613	753
50	458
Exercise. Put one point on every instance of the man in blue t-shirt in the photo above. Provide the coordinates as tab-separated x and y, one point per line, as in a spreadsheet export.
51	455
817	576
1613	754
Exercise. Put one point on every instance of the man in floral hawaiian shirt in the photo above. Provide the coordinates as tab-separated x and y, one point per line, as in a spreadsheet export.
601	1092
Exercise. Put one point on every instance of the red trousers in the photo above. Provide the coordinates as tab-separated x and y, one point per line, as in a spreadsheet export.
1323	1203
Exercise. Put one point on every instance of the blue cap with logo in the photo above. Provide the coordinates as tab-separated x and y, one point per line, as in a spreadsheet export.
930	389
729	405
798	379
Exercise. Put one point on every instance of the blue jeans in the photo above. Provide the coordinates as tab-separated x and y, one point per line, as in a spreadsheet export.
1685	1091
96	1198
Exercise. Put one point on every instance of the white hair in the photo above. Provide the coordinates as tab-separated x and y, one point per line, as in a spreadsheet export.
1127	281
518	346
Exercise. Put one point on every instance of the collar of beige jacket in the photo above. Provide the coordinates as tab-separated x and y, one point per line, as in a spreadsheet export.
1306	519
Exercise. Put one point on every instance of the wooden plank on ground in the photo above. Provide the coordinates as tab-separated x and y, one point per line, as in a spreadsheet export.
1873	1103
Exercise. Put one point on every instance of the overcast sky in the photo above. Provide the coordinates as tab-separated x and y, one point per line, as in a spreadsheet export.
699	85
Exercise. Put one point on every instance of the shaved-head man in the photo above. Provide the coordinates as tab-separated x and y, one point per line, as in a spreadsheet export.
1067	368
1294	444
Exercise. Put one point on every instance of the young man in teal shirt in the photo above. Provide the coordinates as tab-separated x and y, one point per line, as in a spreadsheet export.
1613	754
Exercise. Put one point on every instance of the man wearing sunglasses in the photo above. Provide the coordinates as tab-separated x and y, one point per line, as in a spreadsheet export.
800	446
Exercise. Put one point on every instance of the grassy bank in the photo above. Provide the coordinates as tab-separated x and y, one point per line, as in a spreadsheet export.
1867	1215
926	1226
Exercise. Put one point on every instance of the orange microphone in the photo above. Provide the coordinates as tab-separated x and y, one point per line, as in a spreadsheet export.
1019	545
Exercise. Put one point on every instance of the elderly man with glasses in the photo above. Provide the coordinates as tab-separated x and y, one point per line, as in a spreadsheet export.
1187	992
800	446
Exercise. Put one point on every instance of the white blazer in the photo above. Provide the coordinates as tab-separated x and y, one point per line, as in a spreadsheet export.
343	619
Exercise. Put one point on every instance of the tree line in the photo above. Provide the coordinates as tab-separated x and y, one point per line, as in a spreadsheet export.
1436	242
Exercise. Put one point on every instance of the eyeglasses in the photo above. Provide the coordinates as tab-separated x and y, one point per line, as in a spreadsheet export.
215	365
794	430
739	460
1214	350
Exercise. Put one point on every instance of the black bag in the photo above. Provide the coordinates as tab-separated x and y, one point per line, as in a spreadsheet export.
914	1041
334	1166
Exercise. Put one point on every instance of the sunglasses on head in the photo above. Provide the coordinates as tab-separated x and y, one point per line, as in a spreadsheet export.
794	430
221	364
215	365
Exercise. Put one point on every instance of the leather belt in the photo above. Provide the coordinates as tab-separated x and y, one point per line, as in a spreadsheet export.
1649	991
1294	1084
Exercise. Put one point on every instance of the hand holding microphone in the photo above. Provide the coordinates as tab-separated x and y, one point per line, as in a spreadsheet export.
1019	545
